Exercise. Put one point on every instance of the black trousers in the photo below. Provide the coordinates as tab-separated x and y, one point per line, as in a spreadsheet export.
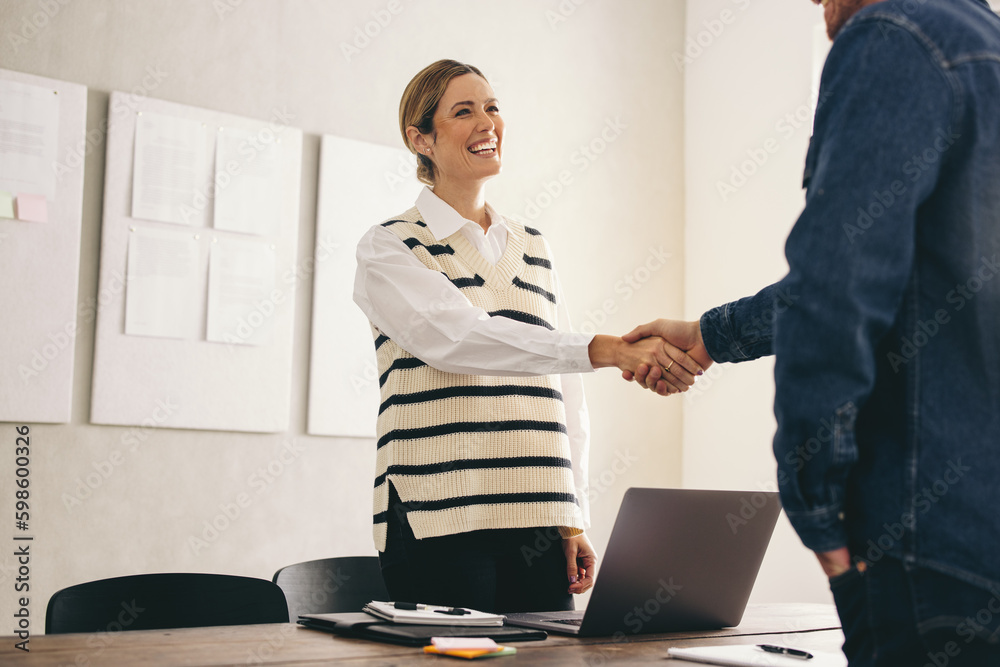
895	615
497	571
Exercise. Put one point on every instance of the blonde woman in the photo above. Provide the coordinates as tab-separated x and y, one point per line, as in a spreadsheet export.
480	493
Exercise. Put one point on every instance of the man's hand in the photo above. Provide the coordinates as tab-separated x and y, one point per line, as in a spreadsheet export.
835	562
683	335
645	352
581	563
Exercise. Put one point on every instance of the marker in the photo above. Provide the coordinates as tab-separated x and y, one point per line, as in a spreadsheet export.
793	652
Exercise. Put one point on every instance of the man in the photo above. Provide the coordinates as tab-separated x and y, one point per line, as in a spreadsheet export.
887	333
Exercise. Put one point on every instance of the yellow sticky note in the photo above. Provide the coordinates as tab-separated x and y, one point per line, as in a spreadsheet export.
32	208
473	653
6	205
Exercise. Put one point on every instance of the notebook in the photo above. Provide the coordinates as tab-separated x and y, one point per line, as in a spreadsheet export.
677	560
429	614
752	656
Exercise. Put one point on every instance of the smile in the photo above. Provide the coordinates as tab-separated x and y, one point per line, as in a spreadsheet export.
488	147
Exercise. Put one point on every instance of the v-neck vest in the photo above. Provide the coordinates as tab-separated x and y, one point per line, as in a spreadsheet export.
473	452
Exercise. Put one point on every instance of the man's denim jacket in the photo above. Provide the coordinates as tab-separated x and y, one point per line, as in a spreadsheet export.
886	330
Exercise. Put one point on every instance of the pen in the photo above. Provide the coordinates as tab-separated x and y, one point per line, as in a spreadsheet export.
453	611
793	652
413	606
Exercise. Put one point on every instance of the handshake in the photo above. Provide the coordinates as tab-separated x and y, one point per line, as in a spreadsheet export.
665	355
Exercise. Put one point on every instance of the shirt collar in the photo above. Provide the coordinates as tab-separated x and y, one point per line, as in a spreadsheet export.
443	221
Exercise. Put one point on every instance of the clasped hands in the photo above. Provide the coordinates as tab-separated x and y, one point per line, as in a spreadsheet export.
664	356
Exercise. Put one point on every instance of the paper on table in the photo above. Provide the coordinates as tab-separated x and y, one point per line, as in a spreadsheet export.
751	656
248	182
29	131
162	295
241	299
32	208
171	175
6	205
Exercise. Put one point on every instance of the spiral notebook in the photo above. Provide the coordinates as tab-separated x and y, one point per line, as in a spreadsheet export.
429	614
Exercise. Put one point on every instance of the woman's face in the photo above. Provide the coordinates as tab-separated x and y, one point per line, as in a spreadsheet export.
469	132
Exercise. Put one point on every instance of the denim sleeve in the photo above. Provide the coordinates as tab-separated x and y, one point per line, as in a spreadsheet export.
885	104
743	330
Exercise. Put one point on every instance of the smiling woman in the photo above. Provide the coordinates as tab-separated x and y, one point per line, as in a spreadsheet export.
483	428
433	108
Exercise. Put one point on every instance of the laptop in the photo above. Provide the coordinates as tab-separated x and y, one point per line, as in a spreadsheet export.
678	560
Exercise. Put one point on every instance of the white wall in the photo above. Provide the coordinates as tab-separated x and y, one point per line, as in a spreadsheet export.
601	77
748	100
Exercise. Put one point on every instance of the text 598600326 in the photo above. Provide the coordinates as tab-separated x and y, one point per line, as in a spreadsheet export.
22	542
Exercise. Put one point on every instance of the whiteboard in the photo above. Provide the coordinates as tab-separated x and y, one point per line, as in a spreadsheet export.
193	382
360	185
39	268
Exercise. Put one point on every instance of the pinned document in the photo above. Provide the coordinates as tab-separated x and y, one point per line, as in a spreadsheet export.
242	299
29	132
249	182
162	295
171	174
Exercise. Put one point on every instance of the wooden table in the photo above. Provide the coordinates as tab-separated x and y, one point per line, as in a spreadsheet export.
814	627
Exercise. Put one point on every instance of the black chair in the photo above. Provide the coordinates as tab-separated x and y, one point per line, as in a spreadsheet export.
157	601
331	585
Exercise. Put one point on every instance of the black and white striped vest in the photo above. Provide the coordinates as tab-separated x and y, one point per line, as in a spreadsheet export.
472	452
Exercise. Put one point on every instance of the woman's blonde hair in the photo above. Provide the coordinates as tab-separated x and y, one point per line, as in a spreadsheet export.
420	101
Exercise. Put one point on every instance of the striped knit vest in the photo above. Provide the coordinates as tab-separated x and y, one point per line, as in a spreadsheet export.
472	452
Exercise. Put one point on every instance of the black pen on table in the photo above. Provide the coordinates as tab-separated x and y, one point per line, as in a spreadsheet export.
452	611
783	650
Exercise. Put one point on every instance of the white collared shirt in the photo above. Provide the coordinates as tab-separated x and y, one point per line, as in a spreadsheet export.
398	294
443	221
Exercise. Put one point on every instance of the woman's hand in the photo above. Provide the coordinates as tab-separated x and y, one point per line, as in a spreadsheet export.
581	563
684	335
642	353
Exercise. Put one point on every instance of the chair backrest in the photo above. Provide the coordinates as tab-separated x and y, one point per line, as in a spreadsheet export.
156	601
331	585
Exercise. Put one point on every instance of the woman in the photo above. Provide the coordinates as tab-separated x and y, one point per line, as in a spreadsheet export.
480	494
